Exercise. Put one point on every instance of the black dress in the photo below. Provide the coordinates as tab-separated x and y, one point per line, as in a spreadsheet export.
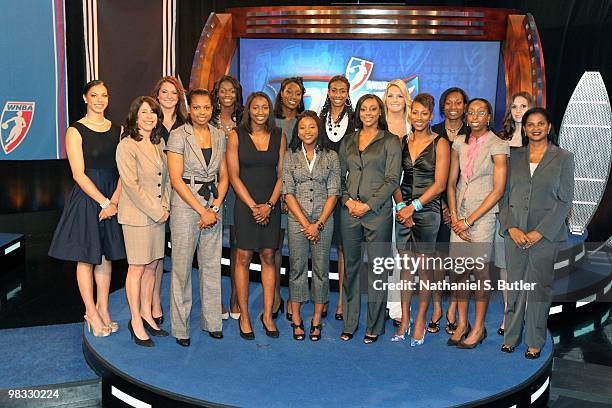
258	172
79	235
418	176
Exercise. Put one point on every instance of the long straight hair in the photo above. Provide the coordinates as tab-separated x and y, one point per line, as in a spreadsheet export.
179	110
508	125
382	119
246	117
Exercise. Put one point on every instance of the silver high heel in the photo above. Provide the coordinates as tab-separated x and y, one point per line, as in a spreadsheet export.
415	342
401	337
105	331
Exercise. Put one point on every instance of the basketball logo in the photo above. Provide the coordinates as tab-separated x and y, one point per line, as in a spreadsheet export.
15	122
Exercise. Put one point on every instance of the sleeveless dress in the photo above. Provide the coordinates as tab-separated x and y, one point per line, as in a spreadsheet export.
258	172
79	235
418	176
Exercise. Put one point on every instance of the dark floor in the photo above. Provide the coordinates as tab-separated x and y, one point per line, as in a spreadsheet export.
44	291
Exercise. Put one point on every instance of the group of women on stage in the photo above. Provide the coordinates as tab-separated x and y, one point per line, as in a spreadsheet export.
343	178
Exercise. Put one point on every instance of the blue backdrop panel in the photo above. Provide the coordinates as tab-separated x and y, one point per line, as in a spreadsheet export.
33	102
426	66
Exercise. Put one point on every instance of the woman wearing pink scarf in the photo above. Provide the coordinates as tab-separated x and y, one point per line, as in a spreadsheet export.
481	158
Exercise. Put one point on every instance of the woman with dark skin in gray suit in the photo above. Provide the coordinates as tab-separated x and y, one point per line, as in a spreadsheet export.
370	168
538	199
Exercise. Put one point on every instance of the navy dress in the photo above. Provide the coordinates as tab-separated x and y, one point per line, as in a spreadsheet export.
258	172
79	235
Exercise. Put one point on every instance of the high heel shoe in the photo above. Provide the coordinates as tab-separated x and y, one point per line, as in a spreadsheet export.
370	338
234	316
418	342
139	342
299	336
281	309
451	342
450	327
270	333
313	327
401	337
152	331
160	319
507	349
338	316
463	345
532	355
247	336
114	326
501	331
105	331
434	327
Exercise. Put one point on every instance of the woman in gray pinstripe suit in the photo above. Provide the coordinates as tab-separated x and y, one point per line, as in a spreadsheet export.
311	185
196	162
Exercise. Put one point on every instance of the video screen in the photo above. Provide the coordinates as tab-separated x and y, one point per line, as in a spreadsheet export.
426	66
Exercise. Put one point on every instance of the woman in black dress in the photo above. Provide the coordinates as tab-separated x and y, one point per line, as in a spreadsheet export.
338	119
88	232
255	152
425	161
170	95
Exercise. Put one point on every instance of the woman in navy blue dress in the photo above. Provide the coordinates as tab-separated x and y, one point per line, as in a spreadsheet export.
88	232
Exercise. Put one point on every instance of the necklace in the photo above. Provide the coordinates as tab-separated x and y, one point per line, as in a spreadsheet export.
450	130
95	123
332	126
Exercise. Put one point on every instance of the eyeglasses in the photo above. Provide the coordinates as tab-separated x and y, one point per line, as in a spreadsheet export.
482	114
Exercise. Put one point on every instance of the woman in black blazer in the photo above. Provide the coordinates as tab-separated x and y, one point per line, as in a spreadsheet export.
533	213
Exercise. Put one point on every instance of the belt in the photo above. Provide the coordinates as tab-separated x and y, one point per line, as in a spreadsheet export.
207	187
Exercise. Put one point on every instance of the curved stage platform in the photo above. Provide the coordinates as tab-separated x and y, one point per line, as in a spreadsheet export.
283	372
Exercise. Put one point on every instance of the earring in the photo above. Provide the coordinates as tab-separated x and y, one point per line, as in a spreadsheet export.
348	102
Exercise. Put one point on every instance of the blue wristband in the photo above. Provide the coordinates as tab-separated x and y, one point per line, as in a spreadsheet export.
417	205
400	205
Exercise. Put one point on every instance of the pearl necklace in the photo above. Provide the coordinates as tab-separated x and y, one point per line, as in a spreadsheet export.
95	123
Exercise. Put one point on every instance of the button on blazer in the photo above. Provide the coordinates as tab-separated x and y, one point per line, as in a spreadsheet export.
145	188
540	202
372	175
183	142
311	190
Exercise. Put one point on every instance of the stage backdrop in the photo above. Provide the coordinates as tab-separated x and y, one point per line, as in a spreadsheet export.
33	88
426	66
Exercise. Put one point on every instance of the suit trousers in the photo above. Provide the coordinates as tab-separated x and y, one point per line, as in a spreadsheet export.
374	231
534	265
299	247
186	237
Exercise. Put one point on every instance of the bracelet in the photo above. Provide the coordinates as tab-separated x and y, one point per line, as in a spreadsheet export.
269	204
400	205
104	204
417	205
320	225
467	224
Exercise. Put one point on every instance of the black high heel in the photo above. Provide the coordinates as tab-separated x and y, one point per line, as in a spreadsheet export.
313	327
501	331
139	342
451	342
281	309
370	338
245	335
507	349
301	336
159	320
483	336
338	316
434	327
152	331
270	333
532	355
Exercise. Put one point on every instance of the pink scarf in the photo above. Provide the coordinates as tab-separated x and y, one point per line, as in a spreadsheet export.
474	148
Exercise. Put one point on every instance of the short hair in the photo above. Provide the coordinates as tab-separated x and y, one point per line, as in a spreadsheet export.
489	109
322	143
552	135
238	107
382	119
93	83
130	129
179	110
197	92
450	91
426	100
246	117
278	104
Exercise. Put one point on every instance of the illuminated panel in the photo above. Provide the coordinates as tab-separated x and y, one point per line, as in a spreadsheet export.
586	131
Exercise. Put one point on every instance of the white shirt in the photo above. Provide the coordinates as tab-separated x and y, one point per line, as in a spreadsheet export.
311	162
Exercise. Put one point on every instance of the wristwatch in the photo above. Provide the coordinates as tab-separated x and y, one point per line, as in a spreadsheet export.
214	208
269	204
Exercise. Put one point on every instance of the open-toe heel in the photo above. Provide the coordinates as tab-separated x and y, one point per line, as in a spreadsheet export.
313	327
298	336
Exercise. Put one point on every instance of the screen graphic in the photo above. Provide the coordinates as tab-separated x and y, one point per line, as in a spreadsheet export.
426	66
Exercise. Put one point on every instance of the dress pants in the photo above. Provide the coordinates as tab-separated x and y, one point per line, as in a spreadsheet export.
186	237
534	265
374	230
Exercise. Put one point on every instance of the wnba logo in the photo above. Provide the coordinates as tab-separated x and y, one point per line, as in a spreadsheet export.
15	122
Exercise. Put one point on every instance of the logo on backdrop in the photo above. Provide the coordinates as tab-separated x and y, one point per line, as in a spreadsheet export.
15	122
357	72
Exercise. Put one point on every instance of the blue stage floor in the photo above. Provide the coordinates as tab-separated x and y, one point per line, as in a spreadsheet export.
283	372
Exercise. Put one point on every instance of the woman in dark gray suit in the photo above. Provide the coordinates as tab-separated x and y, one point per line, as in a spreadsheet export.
370	168
311	185
537	202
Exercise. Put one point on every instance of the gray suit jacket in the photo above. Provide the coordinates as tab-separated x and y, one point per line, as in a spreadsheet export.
541	202
311	190
183	142
372	175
